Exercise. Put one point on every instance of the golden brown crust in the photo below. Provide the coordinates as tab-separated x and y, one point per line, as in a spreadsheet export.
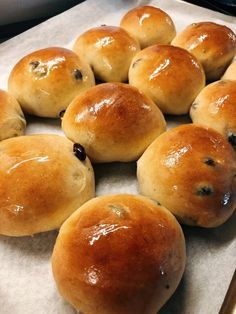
47	80
190	170
119	254
109	50
12	121
41	183
113	121
215	107
230	73
169	75
149	25
214	45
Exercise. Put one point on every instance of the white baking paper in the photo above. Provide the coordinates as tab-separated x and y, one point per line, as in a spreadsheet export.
26	282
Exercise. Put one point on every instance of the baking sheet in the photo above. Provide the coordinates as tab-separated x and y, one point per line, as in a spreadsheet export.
26	283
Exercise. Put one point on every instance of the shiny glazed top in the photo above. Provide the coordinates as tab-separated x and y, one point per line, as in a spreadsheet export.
212	44
119	254
149	25
109	50
191	171
41	183
207	36
45	81
113	121
215	107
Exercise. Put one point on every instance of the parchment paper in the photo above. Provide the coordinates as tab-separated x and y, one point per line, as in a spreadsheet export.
26	283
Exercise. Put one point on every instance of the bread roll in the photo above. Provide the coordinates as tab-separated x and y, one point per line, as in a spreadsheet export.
113	121
149	25
12	121
41	182
109	50
215	107
212	44
230	73
191	171
119	254
170	76
46	81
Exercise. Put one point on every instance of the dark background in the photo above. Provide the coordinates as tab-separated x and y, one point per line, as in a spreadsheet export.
10	30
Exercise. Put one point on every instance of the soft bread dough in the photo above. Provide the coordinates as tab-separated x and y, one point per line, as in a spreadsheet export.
170	76
12	121
214	45
109	50
47	80
191	171
41	182
149	25
230	73
113	121
119	254
215	107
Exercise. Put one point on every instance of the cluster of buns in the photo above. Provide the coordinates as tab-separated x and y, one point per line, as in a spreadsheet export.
122	253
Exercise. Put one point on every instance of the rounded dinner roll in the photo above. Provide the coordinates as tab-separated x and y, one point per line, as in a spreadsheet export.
113	121
212	44
170	76
230	73
109	50
42	181
191	171
12	121
46	81
215	107
149	25
119	254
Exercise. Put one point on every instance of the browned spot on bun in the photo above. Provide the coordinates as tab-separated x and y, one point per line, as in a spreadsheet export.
119	254
113	121
216	108
109	50
47	80
173	170
170	76
214	45
41	183
149	25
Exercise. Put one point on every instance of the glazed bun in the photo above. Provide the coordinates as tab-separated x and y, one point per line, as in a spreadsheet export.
170	76
212	44
12	121
41	182
191	171
215	107
109	50
119	254
230	73
149	25
46	81
113	121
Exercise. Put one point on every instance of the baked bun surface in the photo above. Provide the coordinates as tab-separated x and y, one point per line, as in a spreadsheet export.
214	45
215	107
149	25
113	121
109	50
119	254
12	121
41	182
169	75
191	171
46	81
230	73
